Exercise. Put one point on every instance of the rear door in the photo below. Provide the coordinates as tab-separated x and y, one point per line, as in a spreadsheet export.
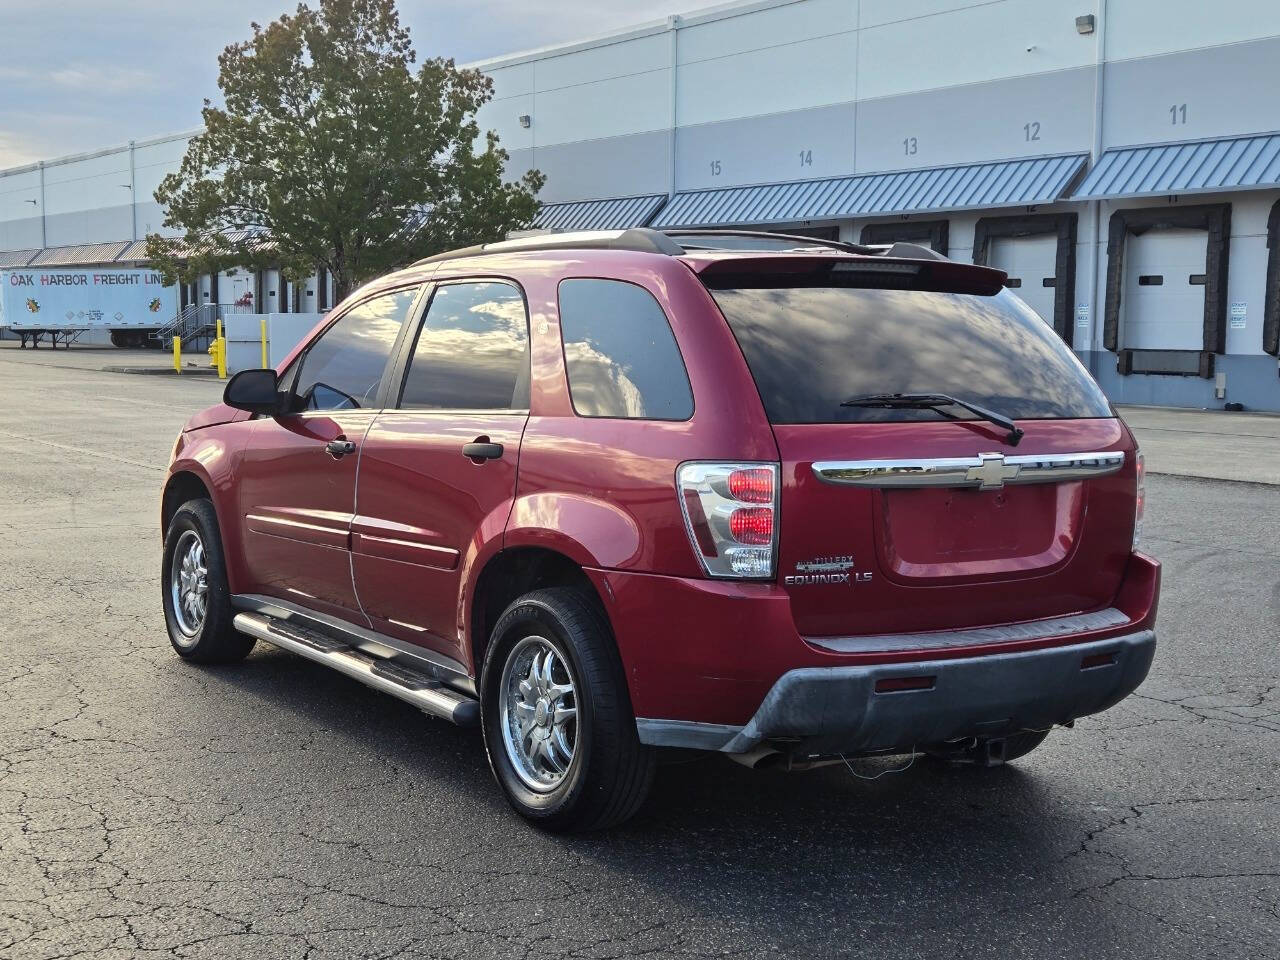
902	520
438	472
298	475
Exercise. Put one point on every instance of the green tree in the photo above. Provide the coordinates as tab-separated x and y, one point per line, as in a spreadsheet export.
332	150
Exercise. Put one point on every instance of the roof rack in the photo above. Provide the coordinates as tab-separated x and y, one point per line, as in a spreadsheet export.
764	240
640	239
674	243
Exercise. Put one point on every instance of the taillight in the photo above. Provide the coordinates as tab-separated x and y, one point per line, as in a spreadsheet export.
752	485
1140	500
753	525
731	513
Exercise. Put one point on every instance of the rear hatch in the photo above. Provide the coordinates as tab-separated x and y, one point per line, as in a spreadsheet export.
902	514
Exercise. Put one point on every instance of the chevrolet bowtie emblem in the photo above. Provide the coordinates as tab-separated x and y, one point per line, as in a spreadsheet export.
993	473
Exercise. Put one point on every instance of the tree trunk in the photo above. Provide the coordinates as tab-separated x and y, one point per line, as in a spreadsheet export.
341	276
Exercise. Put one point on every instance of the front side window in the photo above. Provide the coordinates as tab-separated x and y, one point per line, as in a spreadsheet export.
472	351
620	354
343	368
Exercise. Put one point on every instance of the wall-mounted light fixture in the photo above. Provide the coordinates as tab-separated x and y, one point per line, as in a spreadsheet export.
526	121
1086	24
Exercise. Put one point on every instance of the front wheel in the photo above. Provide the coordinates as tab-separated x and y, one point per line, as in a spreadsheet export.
197	600
557	719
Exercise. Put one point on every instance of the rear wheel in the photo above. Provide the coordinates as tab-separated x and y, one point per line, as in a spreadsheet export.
193	578
989	752
558	726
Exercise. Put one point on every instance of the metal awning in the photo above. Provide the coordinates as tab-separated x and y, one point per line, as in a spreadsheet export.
1005	183
1238	163
87	254
137	250
621	213
16	258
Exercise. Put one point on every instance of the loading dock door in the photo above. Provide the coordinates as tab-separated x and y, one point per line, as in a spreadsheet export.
1031	263
1163	304
927	233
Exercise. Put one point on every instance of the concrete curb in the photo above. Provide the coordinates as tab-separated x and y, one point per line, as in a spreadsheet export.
164	372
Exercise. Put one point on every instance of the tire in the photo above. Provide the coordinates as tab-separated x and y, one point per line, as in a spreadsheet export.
608	772
977	754
201	636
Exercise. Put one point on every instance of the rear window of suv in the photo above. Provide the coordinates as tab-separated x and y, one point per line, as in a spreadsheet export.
812	347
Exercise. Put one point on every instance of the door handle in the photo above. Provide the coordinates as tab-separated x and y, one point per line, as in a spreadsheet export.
482	450
339	448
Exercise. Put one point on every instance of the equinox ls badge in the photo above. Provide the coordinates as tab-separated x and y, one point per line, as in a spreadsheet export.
831	570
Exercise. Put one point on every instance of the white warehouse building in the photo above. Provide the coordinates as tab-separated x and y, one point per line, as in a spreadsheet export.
1120	159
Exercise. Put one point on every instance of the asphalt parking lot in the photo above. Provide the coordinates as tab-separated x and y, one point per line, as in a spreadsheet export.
275	809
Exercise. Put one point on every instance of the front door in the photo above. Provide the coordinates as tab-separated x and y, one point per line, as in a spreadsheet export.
297	491
438	474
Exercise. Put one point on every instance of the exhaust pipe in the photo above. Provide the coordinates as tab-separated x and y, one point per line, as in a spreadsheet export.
760	757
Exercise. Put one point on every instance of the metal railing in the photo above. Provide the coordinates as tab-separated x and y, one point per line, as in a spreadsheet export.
196	323
175	327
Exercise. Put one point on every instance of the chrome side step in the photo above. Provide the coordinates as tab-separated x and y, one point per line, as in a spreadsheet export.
427	694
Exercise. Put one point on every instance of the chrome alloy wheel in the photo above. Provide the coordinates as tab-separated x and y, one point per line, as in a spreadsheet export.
539	714
189	583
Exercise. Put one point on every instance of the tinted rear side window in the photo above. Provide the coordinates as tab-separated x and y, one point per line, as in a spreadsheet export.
809	348
620	353
472	351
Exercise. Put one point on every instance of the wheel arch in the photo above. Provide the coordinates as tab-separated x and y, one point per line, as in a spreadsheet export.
182	485
188	480
510	573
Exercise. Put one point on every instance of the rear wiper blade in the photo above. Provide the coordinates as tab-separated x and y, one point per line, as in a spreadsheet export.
929	401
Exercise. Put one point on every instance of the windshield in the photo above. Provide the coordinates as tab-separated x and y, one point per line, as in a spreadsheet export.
811	348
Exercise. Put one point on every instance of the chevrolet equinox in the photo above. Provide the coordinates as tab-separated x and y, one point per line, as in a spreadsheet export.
606	494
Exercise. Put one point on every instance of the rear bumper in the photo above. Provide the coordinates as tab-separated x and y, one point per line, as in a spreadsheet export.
709	660
826	710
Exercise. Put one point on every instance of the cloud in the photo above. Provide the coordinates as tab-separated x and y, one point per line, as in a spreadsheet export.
112	72
17	150
99	80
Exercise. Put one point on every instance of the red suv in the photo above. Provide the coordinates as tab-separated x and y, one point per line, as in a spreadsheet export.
605	493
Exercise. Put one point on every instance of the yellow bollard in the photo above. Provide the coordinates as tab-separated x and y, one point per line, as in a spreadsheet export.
263	326
220	357
177	354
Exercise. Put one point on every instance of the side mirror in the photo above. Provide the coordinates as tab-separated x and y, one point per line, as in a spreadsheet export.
253	390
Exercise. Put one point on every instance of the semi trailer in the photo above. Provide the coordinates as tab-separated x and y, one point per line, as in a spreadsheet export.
60	304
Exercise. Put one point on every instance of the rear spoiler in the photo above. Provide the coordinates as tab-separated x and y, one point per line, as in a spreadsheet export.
890	270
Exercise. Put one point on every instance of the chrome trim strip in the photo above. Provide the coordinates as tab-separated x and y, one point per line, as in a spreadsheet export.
446	552
986	471
296	524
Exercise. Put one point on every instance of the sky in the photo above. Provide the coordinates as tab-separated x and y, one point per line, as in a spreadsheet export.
77	75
